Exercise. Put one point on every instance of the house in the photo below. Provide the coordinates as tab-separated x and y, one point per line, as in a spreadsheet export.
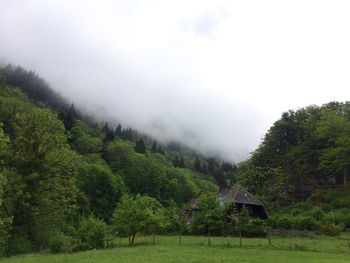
235	193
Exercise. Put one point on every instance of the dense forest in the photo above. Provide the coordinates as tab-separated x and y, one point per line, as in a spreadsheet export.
69	181
61	168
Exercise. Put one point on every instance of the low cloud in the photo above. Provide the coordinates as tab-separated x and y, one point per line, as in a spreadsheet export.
212	74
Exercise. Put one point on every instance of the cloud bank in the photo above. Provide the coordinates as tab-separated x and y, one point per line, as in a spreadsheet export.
213	74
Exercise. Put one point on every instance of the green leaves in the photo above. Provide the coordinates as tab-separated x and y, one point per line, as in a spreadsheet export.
139	214
209	217
41	186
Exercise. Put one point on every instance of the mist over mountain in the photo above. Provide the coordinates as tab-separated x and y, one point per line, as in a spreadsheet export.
212	74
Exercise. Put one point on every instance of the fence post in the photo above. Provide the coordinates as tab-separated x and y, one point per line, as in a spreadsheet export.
268	236
240	239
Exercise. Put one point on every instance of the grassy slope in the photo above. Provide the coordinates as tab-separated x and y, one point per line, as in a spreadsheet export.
195	249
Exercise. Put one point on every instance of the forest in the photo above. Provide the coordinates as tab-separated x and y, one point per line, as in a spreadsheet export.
71	182
61	169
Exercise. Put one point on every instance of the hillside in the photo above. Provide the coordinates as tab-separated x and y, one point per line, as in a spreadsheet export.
63	172
58	164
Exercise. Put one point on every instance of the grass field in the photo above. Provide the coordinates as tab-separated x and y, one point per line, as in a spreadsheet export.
196	250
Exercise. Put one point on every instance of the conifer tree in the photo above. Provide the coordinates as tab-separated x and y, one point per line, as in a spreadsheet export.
118	130
154	147
140	147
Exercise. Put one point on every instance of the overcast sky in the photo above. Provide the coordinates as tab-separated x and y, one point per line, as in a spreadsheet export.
214	74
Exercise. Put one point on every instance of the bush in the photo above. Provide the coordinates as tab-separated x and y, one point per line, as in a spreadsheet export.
92	233
272	221
285	222
20	244
316	213
330	229
256	228
61	243
306	223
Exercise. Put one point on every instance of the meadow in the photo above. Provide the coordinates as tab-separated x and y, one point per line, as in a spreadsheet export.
195	249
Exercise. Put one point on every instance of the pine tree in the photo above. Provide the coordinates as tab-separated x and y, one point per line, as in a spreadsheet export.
140	147
182	163
154	147
105	128
109	137
118	130
197	165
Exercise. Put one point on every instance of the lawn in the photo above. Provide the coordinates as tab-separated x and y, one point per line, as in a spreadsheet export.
196	249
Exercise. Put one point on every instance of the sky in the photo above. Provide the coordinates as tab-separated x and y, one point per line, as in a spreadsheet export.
213	74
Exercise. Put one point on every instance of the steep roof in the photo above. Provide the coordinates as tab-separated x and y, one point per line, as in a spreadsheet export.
238	194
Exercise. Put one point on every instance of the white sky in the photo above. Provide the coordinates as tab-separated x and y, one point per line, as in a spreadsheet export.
215	74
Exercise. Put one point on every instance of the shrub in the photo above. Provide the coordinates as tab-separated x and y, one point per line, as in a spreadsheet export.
330	229
316	213
272	221
20	244
92	233
285	222
306	223
61	243
256	228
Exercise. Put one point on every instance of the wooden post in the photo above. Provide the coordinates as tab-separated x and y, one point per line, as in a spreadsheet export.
332	217
290	240
268	236
154	238
228	241
209	237
240	239
345	178
180	241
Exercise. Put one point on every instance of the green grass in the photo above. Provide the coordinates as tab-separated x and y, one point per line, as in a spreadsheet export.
196	250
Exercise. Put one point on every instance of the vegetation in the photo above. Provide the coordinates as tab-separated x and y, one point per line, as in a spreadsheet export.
61	173
195	249
71	183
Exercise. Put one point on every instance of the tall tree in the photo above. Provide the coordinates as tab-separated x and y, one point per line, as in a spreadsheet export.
140	147
43	184
118	130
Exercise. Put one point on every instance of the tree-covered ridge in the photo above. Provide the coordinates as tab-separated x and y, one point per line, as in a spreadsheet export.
60	175
304	151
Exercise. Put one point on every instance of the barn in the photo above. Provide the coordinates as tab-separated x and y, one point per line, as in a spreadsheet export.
235	193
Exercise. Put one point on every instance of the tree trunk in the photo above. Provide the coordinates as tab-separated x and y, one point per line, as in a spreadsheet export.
133	239
345	177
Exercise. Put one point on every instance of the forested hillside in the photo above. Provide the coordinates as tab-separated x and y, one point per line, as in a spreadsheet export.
300	170
63	173
59	166
304	151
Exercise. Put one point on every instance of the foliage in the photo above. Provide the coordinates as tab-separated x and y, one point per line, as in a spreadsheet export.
138	214
41	184
303	151
209	218
100	189
255	228
330	229
92	232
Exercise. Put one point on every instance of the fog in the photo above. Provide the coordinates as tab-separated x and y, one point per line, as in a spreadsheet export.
212	74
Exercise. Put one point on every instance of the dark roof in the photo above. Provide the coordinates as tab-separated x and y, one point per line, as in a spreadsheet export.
238	194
